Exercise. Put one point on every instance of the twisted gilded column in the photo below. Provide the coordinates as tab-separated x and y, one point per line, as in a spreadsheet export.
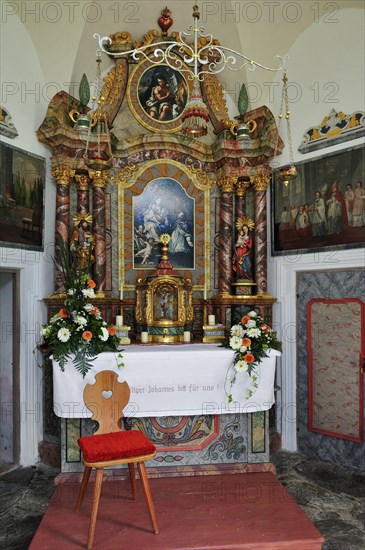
99	180
62	176
260	183
83	192
226	185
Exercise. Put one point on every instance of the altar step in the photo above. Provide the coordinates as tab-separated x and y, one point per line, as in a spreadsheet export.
249	511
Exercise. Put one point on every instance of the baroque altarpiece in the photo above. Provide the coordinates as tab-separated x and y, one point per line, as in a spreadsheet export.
206	193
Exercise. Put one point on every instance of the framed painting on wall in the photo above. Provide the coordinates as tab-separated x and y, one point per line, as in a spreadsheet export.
163	207
22	185
323	208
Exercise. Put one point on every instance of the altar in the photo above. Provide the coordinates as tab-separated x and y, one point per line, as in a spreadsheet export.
179	400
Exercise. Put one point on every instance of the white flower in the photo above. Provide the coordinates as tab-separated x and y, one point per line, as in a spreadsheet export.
79	320
63	334
88	307
238	330
254	332
104	334
243	349
71	292
88	293
235	342
252	314
45	331
241	366
251	324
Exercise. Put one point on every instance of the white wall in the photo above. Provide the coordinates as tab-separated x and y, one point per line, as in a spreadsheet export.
326	58
24	95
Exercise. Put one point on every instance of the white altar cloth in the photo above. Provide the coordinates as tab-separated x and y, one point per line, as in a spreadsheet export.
188	380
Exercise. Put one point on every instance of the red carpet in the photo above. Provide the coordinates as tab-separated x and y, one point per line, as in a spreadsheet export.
225	512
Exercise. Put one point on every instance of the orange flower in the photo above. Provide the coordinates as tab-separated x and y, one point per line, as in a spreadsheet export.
246	342
87	335
245	319
249	358
95	311
265	328
112	331
63	313
91	283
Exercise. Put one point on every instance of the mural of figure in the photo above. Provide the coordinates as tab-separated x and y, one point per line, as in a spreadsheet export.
165	97
358	213
147	251
242	263
302	221
181	238
155	218
349	200
334	214
81	244
319	220
285	219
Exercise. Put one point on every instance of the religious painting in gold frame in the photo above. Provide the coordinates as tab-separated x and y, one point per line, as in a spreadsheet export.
157	95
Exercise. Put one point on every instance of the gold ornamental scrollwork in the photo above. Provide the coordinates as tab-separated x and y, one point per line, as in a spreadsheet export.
241	187
227	183
147	39
99	177
214	91
123	176
112	84
62	175
203	179
82	181
260	182
121	38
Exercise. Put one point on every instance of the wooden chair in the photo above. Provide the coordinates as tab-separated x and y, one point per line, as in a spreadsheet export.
110	446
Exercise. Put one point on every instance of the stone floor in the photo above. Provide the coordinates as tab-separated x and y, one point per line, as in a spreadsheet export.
333	498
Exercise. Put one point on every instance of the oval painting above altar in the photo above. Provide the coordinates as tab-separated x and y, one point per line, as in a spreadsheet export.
164	207
157	96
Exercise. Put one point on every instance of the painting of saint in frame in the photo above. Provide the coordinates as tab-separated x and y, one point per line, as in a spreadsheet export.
22	183
164	207
162	93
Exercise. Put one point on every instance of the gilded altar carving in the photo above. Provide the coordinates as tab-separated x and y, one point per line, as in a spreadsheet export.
112	84
215	100
260	182
147	39
62	175
99	178
227	183
121	38
124	176
202	180
82	181
241	187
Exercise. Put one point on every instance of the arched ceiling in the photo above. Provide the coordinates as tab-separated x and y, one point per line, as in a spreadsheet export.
62	32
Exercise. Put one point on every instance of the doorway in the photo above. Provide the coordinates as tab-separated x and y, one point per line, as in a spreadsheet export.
339	285
9	369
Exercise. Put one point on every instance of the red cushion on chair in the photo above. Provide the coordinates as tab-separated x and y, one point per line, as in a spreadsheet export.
114	446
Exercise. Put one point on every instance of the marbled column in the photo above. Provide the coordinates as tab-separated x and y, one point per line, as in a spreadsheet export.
226	185
99	181
83	193
62	175
260	185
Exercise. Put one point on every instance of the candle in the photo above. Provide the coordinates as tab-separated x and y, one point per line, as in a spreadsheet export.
121	293
119	320
205	292
211	319
144	337
186	336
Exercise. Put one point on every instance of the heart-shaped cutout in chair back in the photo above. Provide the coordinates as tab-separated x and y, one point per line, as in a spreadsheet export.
107	394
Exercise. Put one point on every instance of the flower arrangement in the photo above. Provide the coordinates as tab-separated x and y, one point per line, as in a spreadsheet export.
250	340
78	330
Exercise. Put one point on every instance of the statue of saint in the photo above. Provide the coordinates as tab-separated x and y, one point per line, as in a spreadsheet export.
242	257
82	241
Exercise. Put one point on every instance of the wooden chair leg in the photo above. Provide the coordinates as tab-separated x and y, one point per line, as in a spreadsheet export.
95	506
132	477
147	493
84	482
